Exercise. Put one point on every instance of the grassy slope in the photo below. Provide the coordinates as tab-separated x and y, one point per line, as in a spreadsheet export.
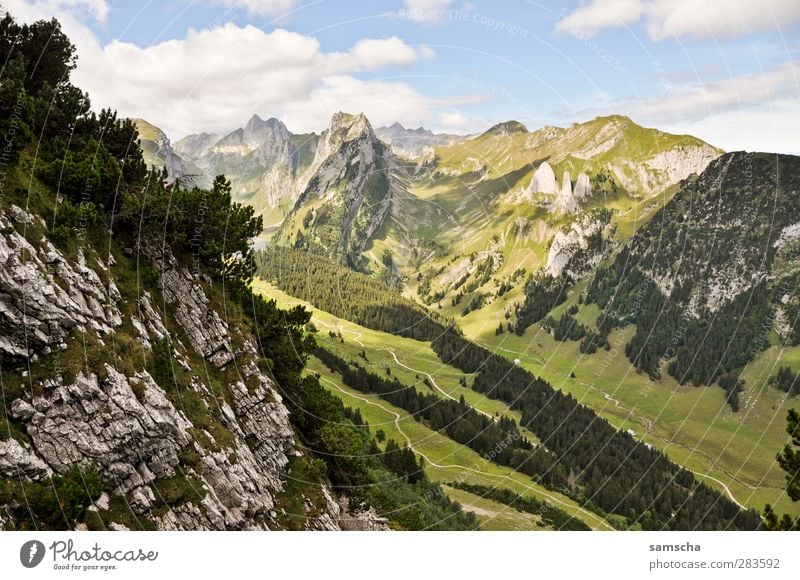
465	207
693	425
445	459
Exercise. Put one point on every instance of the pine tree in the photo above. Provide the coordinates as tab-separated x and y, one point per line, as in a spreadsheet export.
789	460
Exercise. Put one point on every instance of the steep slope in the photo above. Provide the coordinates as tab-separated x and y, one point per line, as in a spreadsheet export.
349	193
414	142
163	458
712	274
158	150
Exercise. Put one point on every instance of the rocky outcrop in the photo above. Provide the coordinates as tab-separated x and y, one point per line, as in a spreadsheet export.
565	201
575	250
183	292
583	187
544	180
44	297
148	322
225	444
19	461
678	163
125	426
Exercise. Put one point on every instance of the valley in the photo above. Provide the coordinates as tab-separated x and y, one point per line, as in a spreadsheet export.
462	226
378	327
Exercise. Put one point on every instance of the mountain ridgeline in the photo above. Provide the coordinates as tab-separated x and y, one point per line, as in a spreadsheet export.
134	293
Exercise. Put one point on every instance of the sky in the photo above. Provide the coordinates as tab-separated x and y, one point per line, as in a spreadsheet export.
727	71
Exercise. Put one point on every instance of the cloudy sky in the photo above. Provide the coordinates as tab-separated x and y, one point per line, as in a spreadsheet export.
727	71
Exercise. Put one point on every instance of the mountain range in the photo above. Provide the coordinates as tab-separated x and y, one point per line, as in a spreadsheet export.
565	328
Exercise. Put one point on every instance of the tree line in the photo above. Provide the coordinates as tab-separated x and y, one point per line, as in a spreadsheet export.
497	440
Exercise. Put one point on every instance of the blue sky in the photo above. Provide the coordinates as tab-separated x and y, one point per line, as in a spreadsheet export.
726	71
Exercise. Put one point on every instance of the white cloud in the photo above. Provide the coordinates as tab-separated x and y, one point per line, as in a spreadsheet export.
426	11
427	52
754	112
682	18
258	7
690	104
771	127
382	102
371	54
213	80
453	121
599	14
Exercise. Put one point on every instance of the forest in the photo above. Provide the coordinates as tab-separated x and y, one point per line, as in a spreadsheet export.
498	440
651	490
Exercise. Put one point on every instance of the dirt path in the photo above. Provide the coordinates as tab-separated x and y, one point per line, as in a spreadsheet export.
593	519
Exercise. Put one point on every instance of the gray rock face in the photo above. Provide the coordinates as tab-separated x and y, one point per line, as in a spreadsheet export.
195	145
43	296
353	174
544	180
583	187
182	291
128	427
571	250
17	460
102	422
565	201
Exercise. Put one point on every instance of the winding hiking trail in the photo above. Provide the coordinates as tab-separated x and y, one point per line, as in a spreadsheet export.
589	517
432	381
631	414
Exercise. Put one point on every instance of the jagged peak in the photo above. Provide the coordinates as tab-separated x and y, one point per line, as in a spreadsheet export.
254	121
257	123
353	126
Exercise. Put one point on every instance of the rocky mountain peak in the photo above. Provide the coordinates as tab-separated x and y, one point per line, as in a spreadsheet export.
507	128
348	127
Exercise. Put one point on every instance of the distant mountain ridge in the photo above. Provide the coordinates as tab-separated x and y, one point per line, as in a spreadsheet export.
157	149
414	142
352	185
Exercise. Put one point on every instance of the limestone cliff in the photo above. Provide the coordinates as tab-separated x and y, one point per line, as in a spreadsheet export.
201	442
